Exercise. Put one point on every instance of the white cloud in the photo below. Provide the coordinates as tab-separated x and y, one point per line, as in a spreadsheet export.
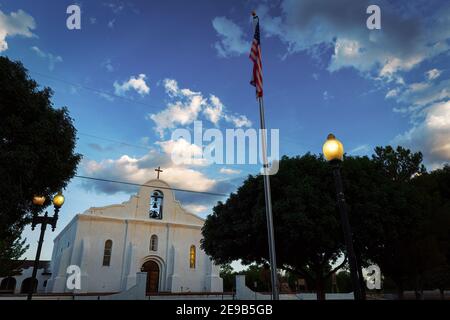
171	87
107	64
138	170
106	96
418	86
177	114
433	74
52	59
196	208
111	23
188	153
141	169
239	121
392	93
232	40
408	38
16	23
428	106
188	105
115	7
362	149
405	40
134	83
327	96
347	51
184	111
392	65
229	171
431	136
422	94
214	111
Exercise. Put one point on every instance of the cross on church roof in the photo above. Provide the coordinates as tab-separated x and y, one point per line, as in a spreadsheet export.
158	170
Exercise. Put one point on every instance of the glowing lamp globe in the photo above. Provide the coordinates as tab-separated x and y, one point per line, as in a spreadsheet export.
58	200
333	150
38	200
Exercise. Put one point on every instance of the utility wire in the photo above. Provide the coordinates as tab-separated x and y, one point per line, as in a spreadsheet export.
114	141
103	92
120	142
120	97
149	148
152	186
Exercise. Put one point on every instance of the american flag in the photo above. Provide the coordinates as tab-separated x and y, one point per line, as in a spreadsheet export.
255	56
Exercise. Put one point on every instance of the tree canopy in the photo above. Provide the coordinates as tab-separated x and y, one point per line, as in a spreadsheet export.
307	229
389	212
37	157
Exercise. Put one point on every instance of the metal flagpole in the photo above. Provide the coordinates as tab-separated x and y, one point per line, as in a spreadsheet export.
268	198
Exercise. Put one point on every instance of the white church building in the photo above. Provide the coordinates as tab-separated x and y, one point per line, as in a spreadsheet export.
151	232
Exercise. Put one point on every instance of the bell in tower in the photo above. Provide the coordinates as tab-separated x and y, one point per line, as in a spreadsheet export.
156	205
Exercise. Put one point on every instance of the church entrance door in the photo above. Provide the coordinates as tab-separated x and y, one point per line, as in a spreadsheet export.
152	269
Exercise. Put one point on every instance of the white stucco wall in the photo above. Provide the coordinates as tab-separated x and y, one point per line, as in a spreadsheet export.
128	225
41	276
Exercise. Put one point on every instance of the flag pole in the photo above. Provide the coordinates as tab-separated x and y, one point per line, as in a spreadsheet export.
267	193
268	198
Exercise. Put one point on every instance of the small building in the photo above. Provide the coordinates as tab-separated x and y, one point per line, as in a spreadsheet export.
20	283
151	232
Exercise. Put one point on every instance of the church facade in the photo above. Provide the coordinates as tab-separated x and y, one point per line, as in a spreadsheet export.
151	233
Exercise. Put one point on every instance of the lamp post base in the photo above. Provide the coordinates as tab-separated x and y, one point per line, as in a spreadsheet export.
354	268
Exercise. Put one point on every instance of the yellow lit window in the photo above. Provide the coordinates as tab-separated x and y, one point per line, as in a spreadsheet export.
192	257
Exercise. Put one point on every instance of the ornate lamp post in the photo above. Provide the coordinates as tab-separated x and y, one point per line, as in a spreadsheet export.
333	151
58	201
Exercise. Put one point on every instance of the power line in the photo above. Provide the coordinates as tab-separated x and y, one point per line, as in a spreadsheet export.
291	141
152	186
101	92
120	97
114	141
148	148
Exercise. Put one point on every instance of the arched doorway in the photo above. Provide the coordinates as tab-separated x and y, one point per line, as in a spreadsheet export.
25	288
8	285
152	269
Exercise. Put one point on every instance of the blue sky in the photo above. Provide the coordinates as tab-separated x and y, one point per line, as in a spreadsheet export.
137	70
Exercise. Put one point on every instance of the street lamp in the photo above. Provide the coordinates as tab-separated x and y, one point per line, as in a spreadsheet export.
333	150
58	201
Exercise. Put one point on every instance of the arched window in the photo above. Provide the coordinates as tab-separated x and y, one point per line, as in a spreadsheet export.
156	205
8	285
26	285
192	257
107	253
154	243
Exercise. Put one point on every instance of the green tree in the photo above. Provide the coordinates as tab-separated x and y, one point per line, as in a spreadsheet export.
399	216
227	274
308	233
385	211
12	248
37	156
433	269
343	281
259	275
